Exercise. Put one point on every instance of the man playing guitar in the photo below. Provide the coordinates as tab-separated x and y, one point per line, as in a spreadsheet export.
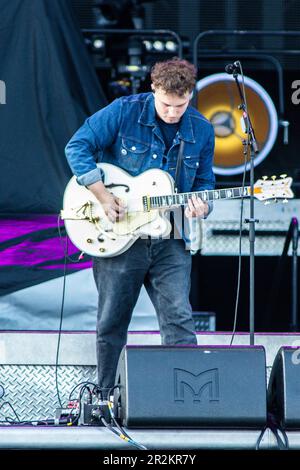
155	130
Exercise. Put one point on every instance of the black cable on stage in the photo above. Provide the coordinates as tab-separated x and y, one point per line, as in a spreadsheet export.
274	426
85	383
59	332
84	386
66	257
79	400
12	408
121	432
64	246
122	435
237	296
246	158
37	422
111	411
18	421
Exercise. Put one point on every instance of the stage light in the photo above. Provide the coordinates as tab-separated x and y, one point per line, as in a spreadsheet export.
98	43
97	46
148	45
171	46
158	46
161	45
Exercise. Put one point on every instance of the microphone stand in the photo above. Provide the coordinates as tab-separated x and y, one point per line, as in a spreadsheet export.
251	221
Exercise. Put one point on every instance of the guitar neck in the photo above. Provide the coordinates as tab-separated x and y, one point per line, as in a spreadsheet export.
181	199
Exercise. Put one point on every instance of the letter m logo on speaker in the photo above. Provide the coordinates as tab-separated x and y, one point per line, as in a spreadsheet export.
202	386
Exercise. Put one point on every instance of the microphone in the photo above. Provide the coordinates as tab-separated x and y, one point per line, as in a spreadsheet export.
232	68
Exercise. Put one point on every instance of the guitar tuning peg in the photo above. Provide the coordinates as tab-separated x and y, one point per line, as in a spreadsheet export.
285	201
273	177
271	201
264	178
266	203
283	176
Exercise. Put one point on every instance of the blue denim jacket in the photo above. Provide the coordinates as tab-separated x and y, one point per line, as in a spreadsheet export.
125	133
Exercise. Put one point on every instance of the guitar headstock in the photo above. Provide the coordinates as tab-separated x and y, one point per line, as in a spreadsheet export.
272	189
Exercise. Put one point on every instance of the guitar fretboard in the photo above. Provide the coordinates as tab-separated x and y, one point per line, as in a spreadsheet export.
181	199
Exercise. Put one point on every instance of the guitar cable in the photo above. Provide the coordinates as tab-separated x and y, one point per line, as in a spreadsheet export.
237	296
120	431
71	260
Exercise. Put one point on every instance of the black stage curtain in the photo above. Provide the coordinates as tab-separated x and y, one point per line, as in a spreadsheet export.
50	87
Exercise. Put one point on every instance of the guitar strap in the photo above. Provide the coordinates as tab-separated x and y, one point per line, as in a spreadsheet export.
178	166
177	182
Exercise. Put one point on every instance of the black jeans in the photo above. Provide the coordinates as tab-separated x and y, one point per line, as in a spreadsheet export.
164	266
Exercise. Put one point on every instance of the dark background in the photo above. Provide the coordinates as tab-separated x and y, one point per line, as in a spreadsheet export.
55	78
191	17
214	278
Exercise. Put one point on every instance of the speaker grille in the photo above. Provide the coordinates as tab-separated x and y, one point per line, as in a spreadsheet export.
191	386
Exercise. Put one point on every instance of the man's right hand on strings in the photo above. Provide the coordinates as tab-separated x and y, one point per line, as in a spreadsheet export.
113	206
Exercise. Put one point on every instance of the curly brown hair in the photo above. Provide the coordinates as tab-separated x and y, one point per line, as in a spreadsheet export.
175	76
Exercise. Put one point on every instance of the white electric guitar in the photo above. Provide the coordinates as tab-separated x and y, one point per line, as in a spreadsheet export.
147	198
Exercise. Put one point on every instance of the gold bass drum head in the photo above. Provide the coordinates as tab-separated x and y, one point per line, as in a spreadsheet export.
218	100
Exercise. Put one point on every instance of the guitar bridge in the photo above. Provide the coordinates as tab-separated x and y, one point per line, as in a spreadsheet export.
84	212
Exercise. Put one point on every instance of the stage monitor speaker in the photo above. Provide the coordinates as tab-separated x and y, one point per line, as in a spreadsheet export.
284	388
191	386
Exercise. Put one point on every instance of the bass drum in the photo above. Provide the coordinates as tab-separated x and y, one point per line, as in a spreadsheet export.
218	100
